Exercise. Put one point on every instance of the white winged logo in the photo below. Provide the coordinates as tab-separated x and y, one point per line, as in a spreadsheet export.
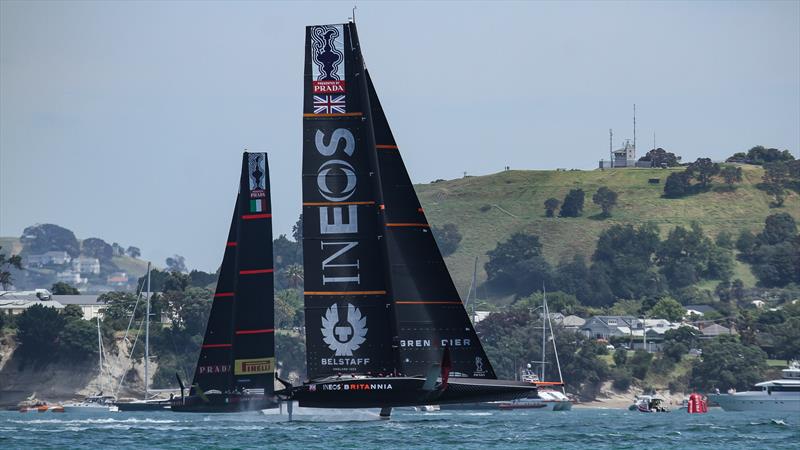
347	338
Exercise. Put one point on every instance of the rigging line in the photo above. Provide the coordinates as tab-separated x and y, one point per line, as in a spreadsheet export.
130	357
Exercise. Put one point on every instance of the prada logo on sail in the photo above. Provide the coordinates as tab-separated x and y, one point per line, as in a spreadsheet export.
337	182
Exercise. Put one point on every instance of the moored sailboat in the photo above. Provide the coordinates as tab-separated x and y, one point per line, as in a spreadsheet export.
385	325
236	367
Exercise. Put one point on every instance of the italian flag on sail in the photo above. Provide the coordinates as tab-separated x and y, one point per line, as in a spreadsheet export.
257	205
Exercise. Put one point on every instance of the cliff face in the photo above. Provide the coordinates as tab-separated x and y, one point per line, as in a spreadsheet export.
61	380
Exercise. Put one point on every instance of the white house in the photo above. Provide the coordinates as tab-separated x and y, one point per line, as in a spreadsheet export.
86	265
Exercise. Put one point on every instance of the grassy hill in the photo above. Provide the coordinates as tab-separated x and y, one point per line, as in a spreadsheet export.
488	209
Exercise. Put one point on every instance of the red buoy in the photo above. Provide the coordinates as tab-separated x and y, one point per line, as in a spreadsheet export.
697	404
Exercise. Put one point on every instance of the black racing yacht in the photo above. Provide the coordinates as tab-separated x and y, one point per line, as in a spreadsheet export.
236	366
385	325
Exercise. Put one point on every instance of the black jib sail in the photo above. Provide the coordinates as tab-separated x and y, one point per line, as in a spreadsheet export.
214	363
379	298
427	308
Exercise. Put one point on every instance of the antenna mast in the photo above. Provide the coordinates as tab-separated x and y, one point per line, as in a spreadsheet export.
634	131
611	147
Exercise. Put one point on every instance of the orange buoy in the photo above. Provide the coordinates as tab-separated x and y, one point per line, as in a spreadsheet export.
42	408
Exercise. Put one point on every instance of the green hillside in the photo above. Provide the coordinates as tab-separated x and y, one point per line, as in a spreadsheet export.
488	209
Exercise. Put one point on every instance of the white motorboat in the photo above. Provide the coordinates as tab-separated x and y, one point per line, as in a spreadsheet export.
93	403
773	395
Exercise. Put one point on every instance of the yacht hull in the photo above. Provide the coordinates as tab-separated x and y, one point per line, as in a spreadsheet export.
405	391
758	402
223	403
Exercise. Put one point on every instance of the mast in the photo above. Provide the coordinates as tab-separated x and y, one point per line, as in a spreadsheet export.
544	328
99	346
147	338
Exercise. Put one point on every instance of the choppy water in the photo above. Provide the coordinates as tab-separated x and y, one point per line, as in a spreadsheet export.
580	428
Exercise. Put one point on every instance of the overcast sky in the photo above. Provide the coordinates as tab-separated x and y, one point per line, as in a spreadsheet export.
126	120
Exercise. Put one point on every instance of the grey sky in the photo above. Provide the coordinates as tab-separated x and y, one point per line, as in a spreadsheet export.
126	120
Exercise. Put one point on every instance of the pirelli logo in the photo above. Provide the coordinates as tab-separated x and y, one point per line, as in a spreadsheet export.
254	366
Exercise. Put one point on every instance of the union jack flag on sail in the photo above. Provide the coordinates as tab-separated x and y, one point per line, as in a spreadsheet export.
329	104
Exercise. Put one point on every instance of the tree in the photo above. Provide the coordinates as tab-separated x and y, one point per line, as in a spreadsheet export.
731	175
668	309
640	363
295	275
78	339
297	229
787	338
727	363
61	288
606	199
176	263
746	243
725	240
688	255
38	328
133	252
573	203
677	185
623	263
550	206
198	278
778	228
72	312
659	157
703	170
761	155
7	263
447	237
41	238
97	248
519	247
620	357
776	176
775	265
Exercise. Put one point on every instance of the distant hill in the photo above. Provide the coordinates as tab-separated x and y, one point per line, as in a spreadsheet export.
488	209
134	267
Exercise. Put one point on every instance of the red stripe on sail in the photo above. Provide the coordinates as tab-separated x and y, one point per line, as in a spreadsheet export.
231	244
264	331
216	346
256	216
223	294
254	271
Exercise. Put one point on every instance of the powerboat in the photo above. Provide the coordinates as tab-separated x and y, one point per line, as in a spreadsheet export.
93	403
773	395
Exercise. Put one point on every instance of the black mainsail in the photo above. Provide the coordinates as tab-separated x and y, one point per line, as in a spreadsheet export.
382	313
236	367
346	299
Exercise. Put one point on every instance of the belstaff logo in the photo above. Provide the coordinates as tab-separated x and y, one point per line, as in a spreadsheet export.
345	335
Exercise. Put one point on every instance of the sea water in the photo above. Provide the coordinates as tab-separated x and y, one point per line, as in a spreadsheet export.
579	428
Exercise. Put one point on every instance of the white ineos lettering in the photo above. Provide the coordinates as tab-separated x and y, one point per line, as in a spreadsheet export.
333	143
330	169
338	225
329	263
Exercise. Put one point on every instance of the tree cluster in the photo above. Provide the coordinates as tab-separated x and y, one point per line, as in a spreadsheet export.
761	155
572	206
697	177
658	157
45	334
775	252
447	237
628	263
